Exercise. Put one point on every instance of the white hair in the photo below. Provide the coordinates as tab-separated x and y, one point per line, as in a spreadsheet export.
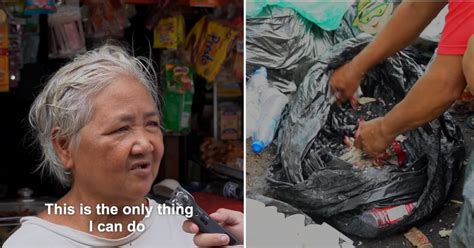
66	100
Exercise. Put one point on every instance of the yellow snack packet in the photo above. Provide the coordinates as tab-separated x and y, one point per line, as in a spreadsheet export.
169	33
213	48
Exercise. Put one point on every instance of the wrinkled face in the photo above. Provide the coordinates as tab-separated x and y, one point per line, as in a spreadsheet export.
120	149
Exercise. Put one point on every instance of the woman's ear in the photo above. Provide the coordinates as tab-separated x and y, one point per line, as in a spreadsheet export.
63	149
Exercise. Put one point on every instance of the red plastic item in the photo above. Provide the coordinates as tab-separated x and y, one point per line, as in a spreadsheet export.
401	155
390	215
212	202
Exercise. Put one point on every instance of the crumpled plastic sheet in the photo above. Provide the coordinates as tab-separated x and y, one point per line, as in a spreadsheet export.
308	173
463	232
280	39
327	15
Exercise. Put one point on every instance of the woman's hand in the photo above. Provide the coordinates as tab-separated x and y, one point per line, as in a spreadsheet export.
344	83
373	138
230	220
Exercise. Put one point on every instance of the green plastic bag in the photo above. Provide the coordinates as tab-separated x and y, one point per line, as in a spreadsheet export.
325	14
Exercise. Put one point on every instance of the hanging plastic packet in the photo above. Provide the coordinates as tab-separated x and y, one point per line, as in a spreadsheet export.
66	32
192	39
35	7
169	33
230	121
211	41
178	97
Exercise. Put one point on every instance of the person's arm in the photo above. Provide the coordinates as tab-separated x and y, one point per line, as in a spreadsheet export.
406	24
432	94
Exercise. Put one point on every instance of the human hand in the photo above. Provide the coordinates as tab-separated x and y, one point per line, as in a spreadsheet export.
230	220
373	138
344	83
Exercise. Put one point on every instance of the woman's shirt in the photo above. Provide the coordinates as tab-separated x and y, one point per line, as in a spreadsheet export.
160	231
458	28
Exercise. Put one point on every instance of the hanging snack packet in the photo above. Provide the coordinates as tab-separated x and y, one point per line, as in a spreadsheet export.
178	95
213	46
169	33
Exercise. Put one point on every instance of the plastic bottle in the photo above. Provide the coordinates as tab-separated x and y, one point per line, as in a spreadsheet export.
380	217
255	86
273	102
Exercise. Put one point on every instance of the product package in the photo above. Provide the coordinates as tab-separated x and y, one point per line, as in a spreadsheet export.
169	33
230	116
178	97
211	41
66	32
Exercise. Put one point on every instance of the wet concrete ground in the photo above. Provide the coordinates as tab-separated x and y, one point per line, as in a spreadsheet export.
257	165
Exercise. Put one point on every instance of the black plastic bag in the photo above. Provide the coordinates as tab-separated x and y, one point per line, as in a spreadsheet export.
308	175
280	39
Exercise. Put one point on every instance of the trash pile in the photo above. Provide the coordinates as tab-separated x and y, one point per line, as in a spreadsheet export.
363	200
317	169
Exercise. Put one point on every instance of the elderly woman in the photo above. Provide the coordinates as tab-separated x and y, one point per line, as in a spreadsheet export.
98	124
